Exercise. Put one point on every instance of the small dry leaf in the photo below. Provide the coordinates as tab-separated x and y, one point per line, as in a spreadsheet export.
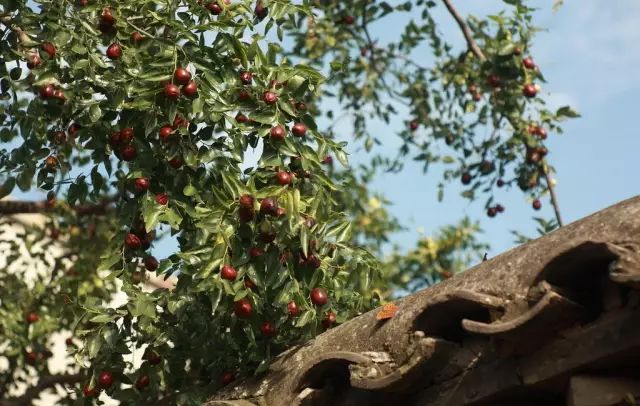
388	311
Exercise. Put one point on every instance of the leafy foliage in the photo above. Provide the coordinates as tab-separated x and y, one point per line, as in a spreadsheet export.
198	120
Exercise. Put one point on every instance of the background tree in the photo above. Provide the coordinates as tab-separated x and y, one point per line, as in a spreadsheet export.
139	119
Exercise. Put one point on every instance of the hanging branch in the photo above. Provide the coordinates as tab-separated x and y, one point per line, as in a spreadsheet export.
466	31
45	382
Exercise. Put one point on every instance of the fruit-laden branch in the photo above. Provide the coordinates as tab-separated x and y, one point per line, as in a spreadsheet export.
466	31
8	207
45	382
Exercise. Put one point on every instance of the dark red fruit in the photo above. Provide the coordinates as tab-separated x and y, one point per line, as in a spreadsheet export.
541	132
318	296
267	238
126	135
114	138
280	211
328	160
59	137
313	262
153	358
107	18
49	48
268	329
245	214
175	162
293	309
246	77
190	89
261	11
34	61
59	94
491	212
105	379
301	106
182	76
162	199
494	80
284	178
73	129
246	201
69	341
528	63
214	8
500	183
32	317
349	19
499	208
226	378
537	204
114	51
129	152
228	272
268	206
132	241
142	184
277	133
269	97
466	178
171	91
136	37
46	91
255	252
529	90
413	125
142	382
299	129
165	132
243	95
243	308
329	320
241	118
150	263
178	122
89	392
31	357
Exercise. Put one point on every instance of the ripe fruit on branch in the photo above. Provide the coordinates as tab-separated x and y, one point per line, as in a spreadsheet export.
255	252
500	183
494	80
33	61
243	308
165	132
246	201
49	48
162	199
175	162
284	178
329	320
46	91
299	129
465	178
268	206
293	309
228	272
226	378
268	329
537	204
32	317
129	152
153	358
105	379
182	76
491	212
269	97
318	296
529	90
349	19
142	382
107	17
171	91
277	133
528	63
413	125
214	8
245	214
241	118
190	89
136	37
142	184
132	241
89	392
151	263
51	163
246	77
261	11
126	135
114	51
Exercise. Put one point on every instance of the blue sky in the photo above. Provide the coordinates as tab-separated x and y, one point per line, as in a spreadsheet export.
589	54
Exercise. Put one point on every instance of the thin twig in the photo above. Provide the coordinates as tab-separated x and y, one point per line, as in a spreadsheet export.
466	31
552	193
45	382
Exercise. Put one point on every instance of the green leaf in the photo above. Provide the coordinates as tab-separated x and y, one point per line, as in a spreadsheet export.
7	186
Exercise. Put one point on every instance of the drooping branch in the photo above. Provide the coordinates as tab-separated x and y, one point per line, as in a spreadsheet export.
45	382
8	207
552	193
466	31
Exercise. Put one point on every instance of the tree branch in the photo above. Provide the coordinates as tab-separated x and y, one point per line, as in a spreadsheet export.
45	382
552	194
8	207
466	31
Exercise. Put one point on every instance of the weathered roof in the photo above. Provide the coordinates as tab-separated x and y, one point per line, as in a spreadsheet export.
557	318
